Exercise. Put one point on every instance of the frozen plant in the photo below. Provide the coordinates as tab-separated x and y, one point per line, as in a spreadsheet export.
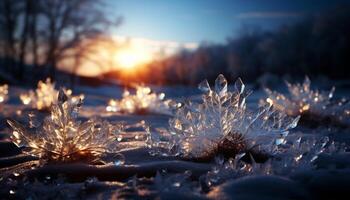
143	101
310	104
3	93
44	96
301	98
61	138
221	124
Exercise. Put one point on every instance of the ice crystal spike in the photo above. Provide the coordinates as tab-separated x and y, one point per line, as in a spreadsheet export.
143	101
310	104
204	86
62	138
221	124
239	85
3	93
221	85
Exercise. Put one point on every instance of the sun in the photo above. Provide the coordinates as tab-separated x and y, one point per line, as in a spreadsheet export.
132	57
124	56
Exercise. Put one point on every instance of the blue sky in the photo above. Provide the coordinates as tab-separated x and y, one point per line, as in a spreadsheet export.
206	20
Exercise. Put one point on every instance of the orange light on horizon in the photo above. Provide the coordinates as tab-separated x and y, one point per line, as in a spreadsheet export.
131	57
122	54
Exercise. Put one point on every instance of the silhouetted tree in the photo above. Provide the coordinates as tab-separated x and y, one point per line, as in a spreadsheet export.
69	22
9	18
47	32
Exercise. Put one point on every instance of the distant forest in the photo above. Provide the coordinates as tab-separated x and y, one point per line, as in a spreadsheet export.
316	45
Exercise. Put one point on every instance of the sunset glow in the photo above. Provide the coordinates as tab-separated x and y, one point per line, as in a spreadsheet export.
125	54
131	57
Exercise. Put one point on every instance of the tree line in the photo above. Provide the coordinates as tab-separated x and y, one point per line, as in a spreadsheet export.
318	44
38	35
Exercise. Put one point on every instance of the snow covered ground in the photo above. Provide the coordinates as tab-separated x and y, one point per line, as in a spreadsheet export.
149	177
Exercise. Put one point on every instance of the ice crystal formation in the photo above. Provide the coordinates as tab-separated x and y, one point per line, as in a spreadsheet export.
44	96
298	154
221	124
143	101
301	153
314	104
61	138
3	93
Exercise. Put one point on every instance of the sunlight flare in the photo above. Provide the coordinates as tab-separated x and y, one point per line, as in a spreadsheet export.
132	56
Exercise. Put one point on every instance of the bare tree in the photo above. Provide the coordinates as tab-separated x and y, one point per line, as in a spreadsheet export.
98	50
70	22
24	37
47	32
9	18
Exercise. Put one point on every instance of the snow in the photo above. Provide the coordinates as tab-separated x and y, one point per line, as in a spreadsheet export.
264	187
328	179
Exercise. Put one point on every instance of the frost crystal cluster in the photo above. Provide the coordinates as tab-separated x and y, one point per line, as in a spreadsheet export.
299	153
4	93
221	124
43	97
143	101
61	138
302	100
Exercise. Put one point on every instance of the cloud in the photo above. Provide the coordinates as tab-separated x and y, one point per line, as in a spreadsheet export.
271	14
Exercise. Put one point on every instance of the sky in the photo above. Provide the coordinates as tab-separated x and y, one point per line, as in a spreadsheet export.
155	29
195	21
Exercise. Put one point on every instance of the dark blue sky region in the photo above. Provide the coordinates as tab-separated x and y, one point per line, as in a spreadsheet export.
208	20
